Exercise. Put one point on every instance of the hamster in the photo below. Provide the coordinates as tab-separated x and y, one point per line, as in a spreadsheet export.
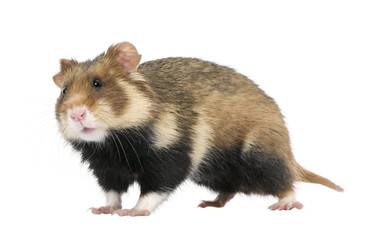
164	121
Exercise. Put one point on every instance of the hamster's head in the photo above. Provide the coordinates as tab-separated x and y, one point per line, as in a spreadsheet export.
101	95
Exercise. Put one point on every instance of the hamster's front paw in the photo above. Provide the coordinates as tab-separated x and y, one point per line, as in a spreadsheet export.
104	210
132	212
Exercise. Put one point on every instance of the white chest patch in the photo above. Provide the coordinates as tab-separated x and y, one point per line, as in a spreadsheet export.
166	130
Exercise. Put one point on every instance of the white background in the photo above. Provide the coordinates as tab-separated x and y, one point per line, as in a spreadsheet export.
308	55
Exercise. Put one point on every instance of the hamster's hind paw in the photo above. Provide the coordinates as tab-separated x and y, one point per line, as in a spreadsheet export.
286	205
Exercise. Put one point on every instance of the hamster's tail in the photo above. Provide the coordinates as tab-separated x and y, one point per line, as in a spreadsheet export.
310	177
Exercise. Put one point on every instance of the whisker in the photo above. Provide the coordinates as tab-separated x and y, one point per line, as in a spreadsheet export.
125	155
95	150
141	135
134	150
126	137
114	138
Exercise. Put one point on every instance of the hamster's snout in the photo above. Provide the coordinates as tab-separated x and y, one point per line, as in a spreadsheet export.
78	114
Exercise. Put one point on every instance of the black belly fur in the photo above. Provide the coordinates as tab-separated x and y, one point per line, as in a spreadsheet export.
232	170
129	157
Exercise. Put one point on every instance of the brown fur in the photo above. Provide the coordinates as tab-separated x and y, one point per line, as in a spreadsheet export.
235	108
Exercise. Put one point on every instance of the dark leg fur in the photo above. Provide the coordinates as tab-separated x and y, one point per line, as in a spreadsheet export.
219	202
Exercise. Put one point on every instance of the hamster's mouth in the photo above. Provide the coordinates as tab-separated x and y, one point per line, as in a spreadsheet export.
90	134
87	130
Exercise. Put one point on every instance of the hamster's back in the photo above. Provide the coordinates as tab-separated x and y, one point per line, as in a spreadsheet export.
195	78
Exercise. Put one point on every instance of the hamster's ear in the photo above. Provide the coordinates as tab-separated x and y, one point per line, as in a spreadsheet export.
65	66
126	55
58	79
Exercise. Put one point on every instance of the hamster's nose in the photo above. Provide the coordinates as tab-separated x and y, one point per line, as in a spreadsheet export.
78	114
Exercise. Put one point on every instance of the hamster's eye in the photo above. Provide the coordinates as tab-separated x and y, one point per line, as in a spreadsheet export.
64	91
97	83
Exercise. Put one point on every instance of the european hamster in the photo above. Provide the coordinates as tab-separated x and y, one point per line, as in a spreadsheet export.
163	121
